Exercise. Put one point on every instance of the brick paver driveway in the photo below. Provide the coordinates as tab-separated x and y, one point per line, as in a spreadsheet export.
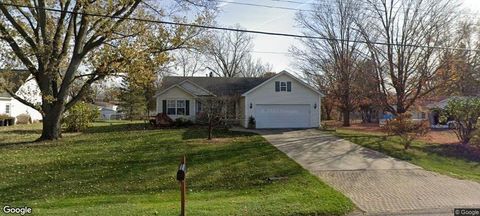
376	183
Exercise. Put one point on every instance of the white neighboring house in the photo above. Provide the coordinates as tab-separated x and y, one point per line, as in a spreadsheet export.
108	111
281	101
27	89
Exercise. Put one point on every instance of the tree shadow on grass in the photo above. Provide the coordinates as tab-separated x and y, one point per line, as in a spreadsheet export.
469	153
24	132
119	127
126	165
389	145
202	133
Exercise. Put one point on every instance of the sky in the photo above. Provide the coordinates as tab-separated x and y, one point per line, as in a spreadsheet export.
277	20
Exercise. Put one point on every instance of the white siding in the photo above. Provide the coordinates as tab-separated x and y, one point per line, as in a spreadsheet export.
176	93
300	94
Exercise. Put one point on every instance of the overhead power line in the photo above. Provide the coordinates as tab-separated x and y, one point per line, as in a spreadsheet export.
237	30
271	52
362	5
265	6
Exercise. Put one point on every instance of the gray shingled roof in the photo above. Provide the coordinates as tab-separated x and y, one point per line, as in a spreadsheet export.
13	82
220	86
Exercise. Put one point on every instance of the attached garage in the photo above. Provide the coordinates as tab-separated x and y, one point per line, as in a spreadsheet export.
283	101
282	115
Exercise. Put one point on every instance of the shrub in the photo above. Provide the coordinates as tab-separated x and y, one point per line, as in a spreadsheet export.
24	119
6	120
476	138
328	126
182	122
465	112
79	117
252	124
406	129
3	117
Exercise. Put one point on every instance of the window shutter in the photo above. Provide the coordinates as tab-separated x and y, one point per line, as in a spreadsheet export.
289	86
164	106
277	86
187	107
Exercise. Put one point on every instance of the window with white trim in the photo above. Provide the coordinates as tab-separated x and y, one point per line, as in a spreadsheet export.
171	107
180	107
176	107
283	86
7	109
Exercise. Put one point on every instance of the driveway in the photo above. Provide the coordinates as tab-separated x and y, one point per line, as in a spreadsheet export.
376	183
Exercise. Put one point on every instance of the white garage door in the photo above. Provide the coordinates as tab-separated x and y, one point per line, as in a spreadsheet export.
282	115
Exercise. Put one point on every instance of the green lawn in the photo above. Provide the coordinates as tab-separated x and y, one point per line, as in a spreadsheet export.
432	157
121	169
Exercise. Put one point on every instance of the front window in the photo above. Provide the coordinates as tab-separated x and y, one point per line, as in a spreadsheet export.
180	107
199	106
176	107
171	108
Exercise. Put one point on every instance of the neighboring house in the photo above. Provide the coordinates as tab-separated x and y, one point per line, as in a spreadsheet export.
434	114
280	101
25	87
429	110
108	111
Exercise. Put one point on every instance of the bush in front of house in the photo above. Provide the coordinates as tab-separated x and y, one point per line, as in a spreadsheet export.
407	129
24	119
6	120
252	124
465	113
182	122
80	117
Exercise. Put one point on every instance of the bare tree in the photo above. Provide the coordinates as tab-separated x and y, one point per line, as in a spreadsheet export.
406	60
228	51
189	62
333	60
214	112
254	68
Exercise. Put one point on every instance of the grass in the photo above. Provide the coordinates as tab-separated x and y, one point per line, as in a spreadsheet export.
121	169
429	156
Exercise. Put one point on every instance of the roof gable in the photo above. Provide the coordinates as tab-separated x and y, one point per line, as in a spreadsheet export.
194	88
280	74
220	86
164	90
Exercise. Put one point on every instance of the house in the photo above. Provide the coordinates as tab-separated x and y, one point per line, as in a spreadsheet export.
429	109
279	101
25	87
435	108
108	111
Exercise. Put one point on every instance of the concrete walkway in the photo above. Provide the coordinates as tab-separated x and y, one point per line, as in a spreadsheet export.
376	183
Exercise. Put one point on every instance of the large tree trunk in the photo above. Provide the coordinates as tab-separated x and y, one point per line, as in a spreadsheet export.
346	118
51	124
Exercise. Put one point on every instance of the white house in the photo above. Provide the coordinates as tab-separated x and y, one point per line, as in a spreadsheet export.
281	101
108	111
26	88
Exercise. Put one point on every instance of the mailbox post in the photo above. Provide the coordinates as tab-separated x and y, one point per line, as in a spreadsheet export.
181	177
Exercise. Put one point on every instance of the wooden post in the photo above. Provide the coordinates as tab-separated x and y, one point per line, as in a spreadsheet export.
183	186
